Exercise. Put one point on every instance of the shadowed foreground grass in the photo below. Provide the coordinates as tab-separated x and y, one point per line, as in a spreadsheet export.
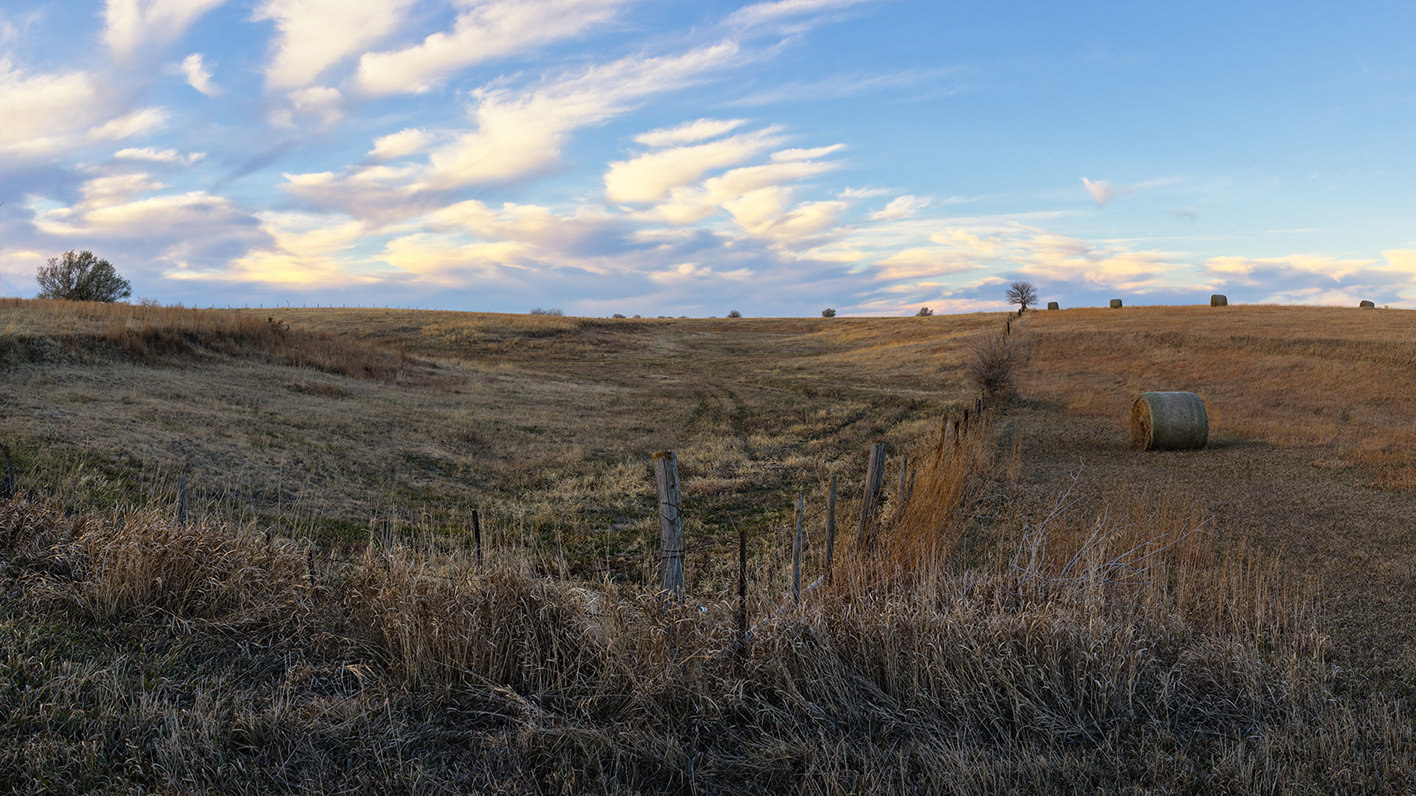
1120	650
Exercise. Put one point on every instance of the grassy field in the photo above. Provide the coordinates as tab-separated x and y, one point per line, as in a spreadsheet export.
1048	608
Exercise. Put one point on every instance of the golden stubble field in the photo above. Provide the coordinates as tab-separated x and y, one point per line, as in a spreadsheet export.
1250	589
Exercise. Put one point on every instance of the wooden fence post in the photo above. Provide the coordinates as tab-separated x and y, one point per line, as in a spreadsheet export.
181	500
874	480
830	526
670	521
7	489
796	552
477	535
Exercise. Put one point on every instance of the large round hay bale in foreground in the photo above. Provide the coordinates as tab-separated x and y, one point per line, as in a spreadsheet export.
1169	421
1052	305
1219	300
1367	304
1116	304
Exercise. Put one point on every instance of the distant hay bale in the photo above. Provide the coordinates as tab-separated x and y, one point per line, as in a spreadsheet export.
1052	305
1219	300
1367	304
1169	421
1116	304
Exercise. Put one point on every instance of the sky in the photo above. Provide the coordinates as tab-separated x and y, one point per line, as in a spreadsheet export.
691	158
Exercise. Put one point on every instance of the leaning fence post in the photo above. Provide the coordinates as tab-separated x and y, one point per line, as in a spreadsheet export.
181	500
477	535
796	552
874	480
7	489
670	521
830	526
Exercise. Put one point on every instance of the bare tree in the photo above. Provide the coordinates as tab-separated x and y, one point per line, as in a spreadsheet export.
80	276
1023	294
924	312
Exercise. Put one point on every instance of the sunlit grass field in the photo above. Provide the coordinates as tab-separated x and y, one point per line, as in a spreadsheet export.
1047	609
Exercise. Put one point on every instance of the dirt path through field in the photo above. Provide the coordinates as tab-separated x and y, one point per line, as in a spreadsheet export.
1316	514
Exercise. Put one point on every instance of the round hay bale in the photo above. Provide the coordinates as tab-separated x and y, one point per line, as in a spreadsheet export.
1367	305
1116	304
1169	421
1052	305
1219	300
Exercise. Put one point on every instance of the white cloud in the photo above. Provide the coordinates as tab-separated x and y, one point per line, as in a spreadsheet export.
404	142
1100	191
649	177
48	112
924	262
198	75
488	29
752	194
321	102
763	13
303	251
317	34
900	207
159	156
130	25
689	132
520	134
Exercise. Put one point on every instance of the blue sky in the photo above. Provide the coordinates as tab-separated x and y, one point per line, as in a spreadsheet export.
665	158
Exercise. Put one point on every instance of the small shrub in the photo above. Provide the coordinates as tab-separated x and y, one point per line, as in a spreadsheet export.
547	311
618	315
80	276
992	366
734	314
924	312
828	313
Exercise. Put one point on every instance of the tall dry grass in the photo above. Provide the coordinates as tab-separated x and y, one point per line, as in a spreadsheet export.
1075	650
34	328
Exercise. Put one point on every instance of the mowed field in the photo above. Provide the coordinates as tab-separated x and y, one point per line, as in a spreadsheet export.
314	424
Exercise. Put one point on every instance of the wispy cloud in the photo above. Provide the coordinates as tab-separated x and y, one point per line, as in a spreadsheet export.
198	75
487	30
314	35
130	25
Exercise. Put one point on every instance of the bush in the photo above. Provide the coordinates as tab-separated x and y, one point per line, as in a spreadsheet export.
549	311
80	276
992	365
828	313
618	315
734	314
924	312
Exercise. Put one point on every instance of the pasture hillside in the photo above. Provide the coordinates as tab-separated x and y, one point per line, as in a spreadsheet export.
1047	608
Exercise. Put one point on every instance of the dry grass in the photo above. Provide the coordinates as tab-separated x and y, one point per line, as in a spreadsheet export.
38	330
1048	610
1116	651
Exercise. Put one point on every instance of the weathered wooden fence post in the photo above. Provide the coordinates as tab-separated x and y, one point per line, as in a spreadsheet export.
874	480
796	552
181	500
477	535
830	526
7	489
670	521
